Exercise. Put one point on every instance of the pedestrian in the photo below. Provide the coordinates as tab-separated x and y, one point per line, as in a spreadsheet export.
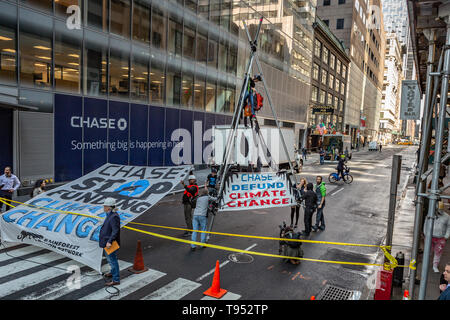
8	184
189	199
441	233
200	217
304	151
442	283
110	232
310	205
445	295
322	155
340	168
298	191
39	187
381	146
212	181
321	192
346	153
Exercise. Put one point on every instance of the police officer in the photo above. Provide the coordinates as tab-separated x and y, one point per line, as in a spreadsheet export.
190	192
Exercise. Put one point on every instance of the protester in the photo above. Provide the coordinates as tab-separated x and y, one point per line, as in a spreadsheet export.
110	232
39	187
200	217
212	180
321	192
8	184
250	100
445	295
441	233
298	191
310	205
189	196
381	146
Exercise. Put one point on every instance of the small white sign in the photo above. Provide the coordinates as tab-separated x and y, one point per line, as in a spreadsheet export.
410	106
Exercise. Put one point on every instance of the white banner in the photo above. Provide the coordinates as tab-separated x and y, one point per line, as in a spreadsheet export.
251	191
135	189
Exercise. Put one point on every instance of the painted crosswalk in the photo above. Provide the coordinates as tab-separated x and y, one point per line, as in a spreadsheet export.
33	273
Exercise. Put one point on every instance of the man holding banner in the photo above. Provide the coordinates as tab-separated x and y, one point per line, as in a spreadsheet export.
190	193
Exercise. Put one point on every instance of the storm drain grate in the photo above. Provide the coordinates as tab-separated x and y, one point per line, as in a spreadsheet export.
335	293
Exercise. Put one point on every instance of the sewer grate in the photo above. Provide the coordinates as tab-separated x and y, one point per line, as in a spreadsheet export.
240	258
335	293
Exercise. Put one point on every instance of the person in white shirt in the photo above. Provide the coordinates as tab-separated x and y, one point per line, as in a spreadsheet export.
8	184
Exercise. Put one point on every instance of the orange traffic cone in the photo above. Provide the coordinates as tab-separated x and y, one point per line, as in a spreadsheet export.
215	290
138	266
313	297
406	295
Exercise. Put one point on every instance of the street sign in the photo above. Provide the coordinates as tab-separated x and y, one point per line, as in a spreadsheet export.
326	110
410	106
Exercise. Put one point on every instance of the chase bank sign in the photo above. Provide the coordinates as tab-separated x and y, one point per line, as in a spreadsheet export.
99	123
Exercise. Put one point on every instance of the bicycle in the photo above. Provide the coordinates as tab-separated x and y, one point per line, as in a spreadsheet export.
335	177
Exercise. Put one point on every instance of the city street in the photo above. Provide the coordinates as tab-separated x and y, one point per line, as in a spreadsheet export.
355	213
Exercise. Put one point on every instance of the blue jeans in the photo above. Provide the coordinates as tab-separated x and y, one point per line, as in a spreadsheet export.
320	220
322	159
199	223
114	264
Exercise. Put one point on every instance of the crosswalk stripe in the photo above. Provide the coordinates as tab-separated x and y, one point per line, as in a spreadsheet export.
33	262
127	285
226	296
18	252
175	290
21	283
60	289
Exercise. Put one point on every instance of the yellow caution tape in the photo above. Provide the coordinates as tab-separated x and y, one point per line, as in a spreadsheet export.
384	248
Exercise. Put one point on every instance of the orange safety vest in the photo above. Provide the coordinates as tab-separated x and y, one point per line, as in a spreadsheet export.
188	194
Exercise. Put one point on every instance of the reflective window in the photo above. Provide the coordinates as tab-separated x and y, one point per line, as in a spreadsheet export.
67	58
61	7
325	55
45	5
344	71
120	17
225	14
202	48
36	49
97	14
203	8
221	98
223	53
331	82
95	64
229	104
338	66
175	37
141	22
191	5
324	76
341	108
332	60
173	82
317	48
342	88
118	69
212	53
157	83
199	92
322	97
139	74
337	85
210	96
232	60
329	99
8	25
314	92
189	43
187	90
315	71
158	29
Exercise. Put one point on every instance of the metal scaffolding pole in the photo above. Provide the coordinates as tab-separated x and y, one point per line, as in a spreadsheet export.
426	138
434	191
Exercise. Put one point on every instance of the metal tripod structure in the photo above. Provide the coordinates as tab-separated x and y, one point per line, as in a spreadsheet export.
434	80
225	167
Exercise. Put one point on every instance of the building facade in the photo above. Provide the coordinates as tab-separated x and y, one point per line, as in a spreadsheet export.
139	82
390	125
328	84
359	24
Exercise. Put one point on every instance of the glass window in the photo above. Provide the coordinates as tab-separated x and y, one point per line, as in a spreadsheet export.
187	90
36	49
202	48
338	84
118	69
191	5
61	7
8	52
221	98
203	8
173	83
189	43
175	37
314	92
322	97
210	96
335	102
158	29
340	24
341	105
324	76
332	60
316	71
97	14
199	92
67	58
45	5
325	55
223	53
141	22
329	98
317	48
157	83
342	88
212	53
225	14
331	82
139	73
95	64
344	71
120	17
232	59
229	103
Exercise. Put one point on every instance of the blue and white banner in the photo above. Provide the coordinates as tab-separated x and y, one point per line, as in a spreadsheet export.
252	191
135	188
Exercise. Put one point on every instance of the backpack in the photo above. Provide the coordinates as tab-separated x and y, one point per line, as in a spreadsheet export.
259	102
247	111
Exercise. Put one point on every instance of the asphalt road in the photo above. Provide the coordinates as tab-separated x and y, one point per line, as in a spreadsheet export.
355	213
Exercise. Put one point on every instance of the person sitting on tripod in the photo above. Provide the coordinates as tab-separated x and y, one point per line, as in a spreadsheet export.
250	100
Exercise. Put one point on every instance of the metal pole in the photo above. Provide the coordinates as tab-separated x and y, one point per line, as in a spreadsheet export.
395	179
275	117
434	192
425	139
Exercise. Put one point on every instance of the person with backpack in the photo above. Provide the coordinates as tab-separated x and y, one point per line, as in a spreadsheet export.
200	217
321	192
189	201
252	100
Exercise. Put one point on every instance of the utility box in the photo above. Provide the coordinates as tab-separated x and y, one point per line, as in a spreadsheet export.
384	287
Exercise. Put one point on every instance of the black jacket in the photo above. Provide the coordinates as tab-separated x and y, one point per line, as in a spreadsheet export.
310	199
192	190
110	230
340	165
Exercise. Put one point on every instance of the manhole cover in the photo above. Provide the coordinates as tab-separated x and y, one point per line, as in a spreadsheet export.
335	293
240	258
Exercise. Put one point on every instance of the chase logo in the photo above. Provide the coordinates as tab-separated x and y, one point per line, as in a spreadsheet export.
133	188
99	123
